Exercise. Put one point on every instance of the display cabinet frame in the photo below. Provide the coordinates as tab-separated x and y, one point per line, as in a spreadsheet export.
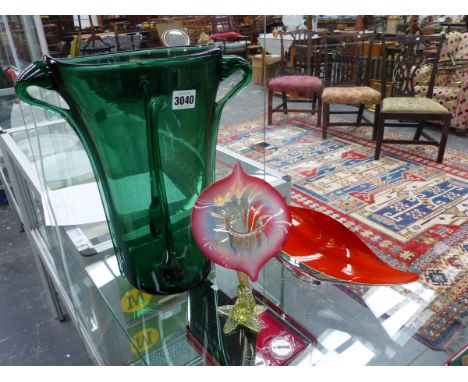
22	180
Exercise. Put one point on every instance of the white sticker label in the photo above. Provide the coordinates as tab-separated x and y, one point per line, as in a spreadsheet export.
183	99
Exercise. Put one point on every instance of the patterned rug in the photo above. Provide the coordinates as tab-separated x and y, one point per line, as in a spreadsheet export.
410	210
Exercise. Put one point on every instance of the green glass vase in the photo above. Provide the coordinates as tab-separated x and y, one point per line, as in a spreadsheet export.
148	121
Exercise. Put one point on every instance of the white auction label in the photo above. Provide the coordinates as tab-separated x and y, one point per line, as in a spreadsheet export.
183	99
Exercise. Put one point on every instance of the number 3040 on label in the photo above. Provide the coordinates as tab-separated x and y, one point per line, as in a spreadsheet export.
183	99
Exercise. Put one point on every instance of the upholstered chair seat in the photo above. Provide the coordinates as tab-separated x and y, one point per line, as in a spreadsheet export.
300	84
351	95
298	79
412	105
413	71
454	99
347	80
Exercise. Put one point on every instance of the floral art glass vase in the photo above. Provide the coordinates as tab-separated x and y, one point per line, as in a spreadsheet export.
241	222
148	120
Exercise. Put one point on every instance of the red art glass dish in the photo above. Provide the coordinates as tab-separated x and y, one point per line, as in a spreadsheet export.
322	248
241	222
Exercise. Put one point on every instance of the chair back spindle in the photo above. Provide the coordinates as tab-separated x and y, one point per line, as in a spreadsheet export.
412	54
346	63
307	56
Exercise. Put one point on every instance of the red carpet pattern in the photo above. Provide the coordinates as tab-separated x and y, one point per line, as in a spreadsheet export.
410	210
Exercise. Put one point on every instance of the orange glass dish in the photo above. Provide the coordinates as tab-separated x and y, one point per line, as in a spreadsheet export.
320	247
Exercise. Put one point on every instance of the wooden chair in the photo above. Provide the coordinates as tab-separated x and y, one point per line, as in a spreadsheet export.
410	110
347	78
302	78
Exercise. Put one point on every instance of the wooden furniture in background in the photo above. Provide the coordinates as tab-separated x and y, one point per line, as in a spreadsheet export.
302	79
53	38
265	68
347	79
94	43
405	106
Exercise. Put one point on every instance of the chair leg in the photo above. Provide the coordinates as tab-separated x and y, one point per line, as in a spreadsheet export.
326	119
314	102
376	122
418	132
443	141
380	136
285	102
319	112
270	106
359	115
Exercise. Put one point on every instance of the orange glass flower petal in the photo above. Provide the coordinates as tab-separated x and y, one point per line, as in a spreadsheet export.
320	247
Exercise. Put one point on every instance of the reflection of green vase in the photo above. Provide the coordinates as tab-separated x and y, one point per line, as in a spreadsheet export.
148	121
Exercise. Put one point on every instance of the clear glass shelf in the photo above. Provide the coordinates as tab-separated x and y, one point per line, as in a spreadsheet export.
376	325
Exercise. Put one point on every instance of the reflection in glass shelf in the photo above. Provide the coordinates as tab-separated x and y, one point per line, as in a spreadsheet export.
401	317
382	299
113	315
332	339
99	273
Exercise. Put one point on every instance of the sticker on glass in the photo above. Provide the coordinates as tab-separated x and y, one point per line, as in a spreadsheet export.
183	99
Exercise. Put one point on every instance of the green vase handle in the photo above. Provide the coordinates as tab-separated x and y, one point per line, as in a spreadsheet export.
160	223
41	74
230	65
